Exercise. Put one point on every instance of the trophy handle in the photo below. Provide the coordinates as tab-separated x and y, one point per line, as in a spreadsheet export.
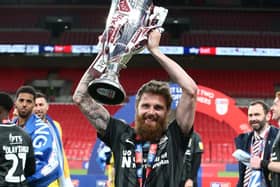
107	89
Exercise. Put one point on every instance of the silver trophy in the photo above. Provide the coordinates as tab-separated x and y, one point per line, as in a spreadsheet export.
126	32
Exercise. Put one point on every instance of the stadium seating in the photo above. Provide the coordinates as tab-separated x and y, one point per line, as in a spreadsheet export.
25	37
239	83
243	84
78	134
74	38
206	27
12	78
73	75
216	150
229	39
228	19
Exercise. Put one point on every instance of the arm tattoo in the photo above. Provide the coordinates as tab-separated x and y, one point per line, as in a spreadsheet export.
96	114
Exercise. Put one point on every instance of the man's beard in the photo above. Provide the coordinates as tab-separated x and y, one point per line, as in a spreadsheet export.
24	114
147	132
260	127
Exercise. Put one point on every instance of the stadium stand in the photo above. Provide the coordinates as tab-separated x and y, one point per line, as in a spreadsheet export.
229	39
25	37
205	26
239	83
78	135
243	84
226	27
71	37
215	149
229	19
12	78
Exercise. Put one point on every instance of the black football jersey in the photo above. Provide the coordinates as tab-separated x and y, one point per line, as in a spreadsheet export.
16	156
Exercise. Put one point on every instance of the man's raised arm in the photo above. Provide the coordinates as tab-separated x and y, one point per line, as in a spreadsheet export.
186	107
95	112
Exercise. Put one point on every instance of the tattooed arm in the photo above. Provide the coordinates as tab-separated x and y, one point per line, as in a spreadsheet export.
95	112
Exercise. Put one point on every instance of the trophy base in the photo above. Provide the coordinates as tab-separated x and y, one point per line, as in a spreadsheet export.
106	92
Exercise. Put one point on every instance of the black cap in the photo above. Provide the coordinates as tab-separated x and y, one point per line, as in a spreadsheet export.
6	101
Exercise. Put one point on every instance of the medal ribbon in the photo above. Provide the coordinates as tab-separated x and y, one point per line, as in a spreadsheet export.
139	161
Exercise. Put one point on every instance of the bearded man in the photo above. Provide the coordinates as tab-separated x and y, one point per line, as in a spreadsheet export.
257	143
151	154
273	165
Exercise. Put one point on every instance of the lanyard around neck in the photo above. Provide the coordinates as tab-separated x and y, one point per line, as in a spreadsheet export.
139	160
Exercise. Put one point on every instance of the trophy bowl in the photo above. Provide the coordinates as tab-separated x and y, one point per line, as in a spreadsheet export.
125	34
107	89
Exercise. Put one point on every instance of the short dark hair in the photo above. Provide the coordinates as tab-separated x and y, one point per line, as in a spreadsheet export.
277	94
260	102
26	89
156	87
277	91
41	95
6	101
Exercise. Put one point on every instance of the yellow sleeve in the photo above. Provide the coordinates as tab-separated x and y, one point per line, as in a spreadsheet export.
54	184
66	165
110	172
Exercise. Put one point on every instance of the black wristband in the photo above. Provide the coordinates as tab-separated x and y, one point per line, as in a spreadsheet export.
264	164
